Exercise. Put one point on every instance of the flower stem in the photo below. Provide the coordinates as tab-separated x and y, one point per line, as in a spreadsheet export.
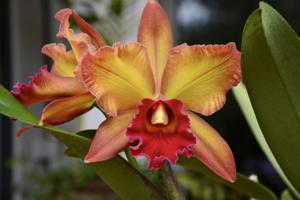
131	159
170	186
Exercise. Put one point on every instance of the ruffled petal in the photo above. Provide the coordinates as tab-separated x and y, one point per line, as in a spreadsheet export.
156	35
119	76
64	61
89	40
66	109
212	149
45	86
97	39
110	138
201	75
160	142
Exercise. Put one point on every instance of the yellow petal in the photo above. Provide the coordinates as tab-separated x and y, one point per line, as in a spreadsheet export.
201	75
64	61
80	42
156	35
212	149
110	138
66	109
119	76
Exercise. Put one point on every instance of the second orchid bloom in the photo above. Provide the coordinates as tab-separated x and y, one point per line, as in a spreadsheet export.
62	85
152	90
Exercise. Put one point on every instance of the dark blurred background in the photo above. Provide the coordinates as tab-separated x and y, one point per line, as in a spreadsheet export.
37	158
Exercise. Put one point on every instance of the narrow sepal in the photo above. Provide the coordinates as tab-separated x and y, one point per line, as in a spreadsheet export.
66	109
156	35
212	149
110	138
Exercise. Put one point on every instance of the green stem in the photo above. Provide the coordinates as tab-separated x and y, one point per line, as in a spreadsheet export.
170	186
131	159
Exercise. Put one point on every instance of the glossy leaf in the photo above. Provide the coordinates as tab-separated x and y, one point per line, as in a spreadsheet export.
127	182
90	133
242	183
11	107
242	97
124	180
270	63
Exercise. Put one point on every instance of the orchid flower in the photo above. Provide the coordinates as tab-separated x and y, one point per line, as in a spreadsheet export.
152	92
63	84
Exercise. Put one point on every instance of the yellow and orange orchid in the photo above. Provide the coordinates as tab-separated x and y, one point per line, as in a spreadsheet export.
63	83
153	90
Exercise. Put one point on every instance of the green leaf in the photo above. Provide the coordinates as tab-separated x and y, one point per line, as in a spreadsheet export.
242	97
242	183
87	134
90	133
270	63
11	107
124	180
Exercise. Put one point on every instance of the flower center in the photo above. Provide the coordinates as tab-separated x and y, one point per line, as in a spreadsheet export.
160	114
160	131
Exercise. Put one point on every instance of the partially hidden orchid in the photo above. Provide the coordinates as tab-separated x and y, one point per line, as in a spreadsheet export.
152	91
63	84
